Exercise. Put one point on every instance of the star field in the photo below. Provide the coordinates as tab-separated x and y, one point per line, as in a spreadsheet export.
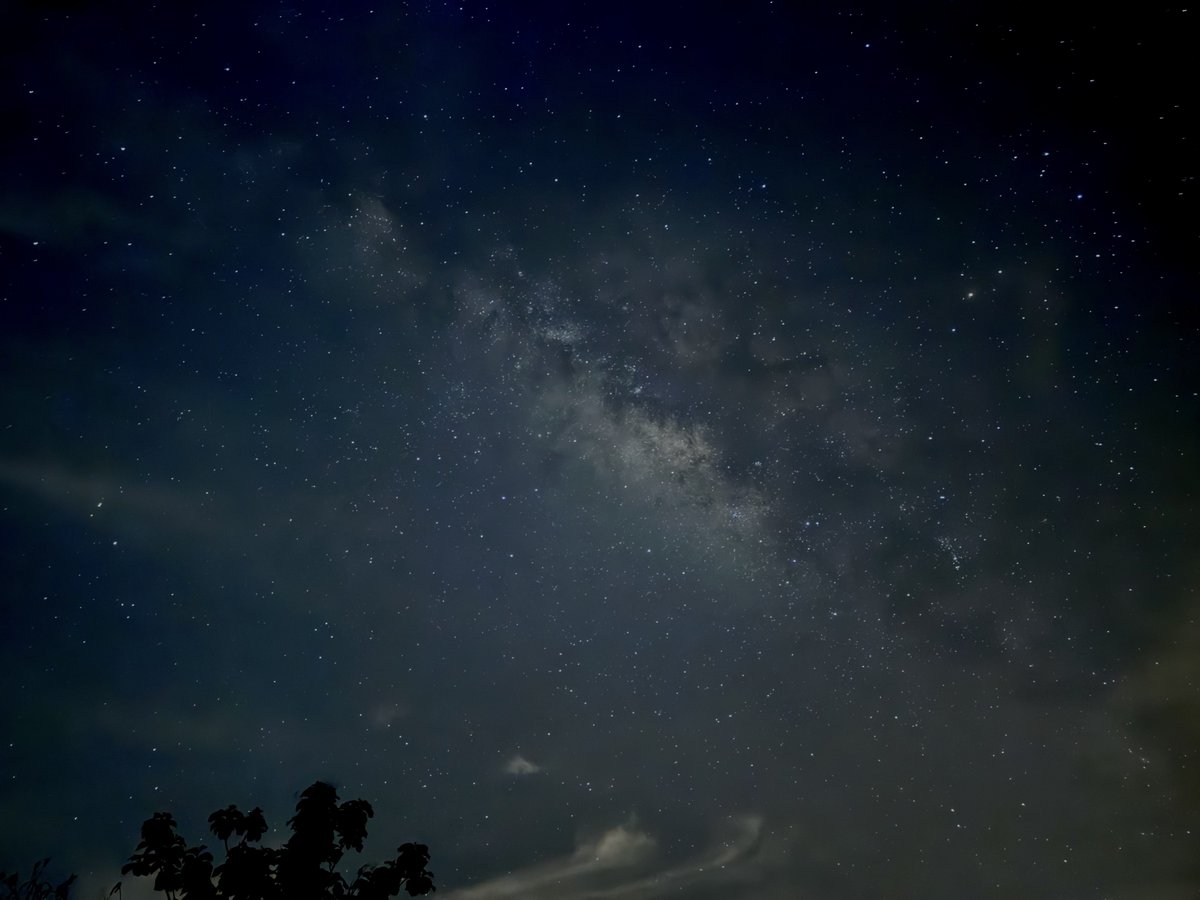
745	454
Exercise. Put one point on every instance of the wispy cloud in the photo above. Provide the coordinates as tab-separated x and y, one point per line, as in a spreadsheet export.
519	765
624	862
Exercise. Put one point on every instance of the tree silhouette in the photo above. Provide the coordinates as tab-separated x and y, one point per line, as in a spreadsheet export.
36	887
304	868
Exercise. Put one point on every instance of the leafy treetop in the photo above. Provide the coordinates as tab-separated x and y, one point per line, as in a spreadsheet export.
35	887
304	868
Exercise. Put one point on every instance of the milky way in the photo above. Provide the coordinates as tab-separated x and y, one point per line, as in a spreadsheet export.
748	457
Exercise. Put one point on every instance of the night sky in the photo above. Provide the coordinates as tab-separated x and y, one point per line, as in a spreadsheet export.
647	450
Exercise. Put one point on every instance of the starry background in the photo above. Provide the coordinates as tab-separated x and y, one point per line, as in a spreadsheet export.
724	451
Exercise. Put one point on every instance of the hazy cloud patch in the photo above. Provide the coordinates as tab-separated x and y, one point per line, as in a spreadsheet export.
621	862
519	765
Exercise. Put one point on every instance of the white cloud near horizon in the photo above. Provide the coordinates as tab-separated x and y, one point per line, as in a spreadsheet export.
620	863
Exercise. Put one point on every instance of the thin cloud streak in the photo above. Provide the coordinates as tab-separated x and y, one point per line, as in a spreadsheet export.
619	864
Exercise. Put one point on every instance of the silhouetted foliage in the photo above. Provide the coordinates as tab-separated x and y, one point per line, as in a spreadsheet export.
304	868
35	887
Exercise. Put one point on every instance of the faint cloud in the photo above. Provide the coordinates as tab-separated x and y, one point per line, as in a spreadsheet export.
576	875
519	765
621	863
385	715
620	846
124	506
